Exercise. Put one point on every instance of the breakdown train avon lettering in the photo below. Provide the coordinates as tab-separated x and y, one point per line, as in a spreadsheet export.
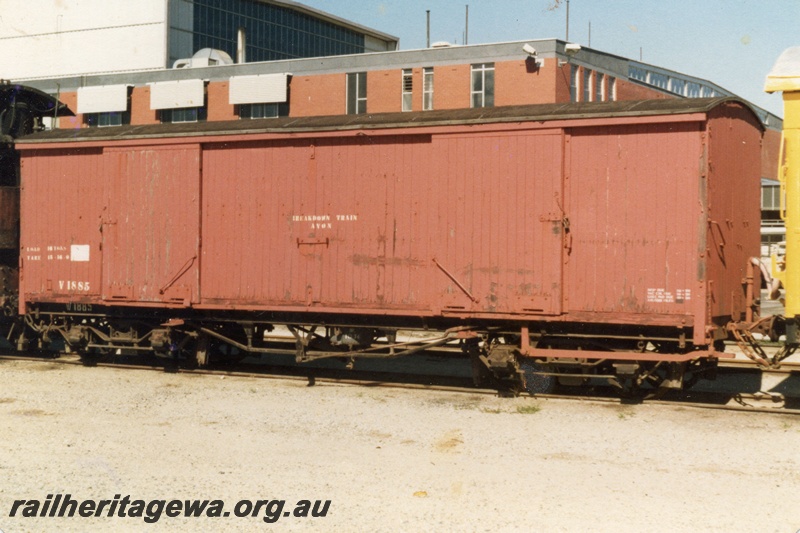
323	221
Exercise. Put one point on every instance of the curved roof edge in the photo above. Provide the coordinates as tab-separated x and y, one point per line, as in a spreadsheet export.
503	114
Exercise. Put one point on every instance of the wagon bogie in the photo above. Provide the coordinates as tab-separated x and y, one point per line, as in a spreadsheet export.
627	378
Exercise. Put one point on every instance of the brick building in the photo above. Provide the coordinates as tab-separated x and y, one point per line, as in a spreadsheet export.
448	77
339	68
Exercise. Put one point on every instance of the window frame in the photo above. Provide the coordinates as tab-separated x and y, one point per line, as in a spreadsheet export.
103	119
482	96
574	83
427	88
587	85
599	87
167	116
255	111
356	93
407	90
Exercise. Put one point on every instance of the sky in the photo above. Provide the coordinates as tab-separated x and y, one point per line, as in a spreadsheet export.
733	43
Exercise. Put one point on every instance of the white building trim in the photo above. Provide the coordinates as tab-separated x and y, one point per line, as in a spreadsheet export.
259	89
177	94
102	99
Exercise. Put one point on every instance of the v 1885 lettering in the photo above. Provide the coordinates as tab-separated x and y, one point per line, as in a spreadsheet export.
69	285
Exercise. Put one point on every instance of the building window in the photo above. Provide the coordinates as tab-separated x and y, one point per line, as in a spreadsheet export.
274	31
356	93
599	90
483	85
707	92
677	86
102	120
659	80
408	87
587	85
637	73
574	83
427	88
770	197
272	110
182	114
612	88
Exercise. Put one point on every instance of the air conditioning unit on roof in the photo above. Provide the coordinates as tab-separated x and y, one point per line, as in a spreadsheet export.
207	57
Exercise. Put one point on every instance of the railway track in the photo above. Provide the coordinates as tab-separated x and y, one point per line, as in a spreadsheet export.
786	367
705	397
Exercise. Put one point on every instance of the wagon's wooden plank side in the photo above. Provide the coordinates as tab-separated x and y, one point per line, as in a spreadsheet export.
636	218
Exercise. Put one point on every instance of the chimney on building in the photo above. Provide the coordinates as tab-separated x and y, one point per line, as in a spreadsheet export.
241	44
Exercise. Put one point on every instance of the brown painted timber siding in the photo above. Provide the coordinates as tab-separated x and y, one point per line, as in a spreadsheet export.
589	213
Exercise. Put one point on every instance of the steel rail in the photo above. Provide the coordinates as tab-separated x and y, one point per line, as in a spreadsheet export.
753	403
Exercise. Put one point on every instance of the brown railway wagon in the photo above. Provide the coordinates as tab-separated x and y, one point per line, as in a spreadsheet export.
615	220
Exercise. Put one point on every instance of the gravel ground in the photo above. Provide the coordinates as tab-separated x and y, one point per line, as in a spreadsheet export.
388	460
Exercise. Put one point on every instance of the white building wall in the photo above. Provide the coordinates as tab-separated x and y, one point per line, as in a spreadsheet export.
371	44
52	38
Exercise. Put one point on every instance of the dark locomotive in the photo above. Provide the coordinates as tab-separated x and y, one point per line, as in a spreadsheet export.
22	110
594	241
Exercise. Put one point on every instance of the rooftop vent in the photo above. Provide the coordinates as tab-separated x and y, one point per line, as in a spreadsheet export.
207	57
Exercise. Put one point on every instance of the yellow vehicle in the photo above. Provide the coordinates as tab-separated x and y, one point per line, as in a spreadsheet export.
785	77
